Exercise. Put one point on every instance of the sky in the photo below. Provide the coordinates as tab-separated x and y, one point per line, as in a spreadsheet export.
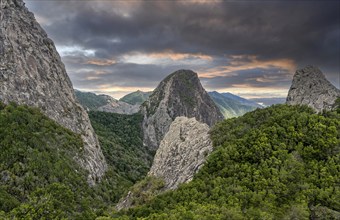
249	48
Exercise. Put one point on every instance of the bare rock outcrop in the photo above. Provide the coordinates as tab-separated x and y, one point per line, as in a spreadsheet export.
179	157
179	94
31	73
310	87
182	152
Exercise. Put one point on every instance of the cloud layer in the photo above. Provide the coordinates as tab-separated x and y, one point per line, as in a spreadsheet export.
241	46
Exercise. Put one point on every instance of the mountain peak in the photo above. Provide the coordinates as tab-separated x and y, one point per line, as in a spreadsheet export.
183	72
179	94
12	3
310	87
136	98
309	71
33	74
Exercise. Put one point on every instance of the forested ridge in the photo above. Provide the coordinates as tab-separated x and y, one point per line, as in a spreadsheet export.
39	176
282	162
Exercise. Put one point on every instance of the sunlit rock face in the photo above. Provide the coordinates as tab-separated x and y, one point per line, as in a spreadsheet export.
310	87
182	152
179	94
31	72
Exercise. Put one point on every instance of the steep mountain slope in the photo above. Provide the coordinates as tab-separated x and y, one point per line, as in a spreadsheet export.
281	162
180	155
31	72
310	87
231	105
121	138
91	101
37	169
136	98
182	152
240	99
179	94
105	103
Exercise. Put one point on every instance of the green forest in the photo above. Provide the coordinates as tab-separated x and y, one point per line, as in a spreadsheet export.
38	178
282	162
90	100
136	98
121	139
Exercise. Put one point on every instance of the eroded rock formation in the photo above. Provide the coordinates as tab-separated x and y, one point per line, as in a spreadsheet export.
179	94
310	87
31	73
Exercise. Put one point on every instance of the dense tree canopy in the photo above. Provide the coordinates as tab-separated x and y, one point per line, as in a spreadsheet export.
38	174
281	162
121	140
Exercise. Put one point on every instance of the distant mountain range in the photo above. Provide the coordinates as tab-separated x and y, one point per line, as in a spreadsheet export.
104	103
136	98
229	104
280	162
232	105
265	102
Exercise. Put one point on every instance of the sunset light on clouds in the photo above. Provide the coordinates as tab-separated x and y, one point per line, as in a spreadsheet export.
248	48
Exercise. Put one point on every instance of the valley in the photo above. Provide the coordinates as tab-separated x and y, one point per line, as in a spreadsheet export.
173	151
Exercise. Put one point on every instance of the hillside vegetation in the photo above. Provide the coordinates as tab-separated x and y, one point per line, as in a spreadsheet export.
136	98
231	105
90	100
38	174
282	162
122	144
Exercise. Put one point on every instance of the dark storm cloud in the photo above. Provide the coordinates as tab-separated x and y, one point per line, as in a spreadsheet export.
306	32
258	78
120	74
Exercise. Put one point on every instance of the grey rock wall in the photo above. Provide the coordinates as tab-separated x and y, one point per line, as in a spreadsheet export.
182	152
31	73
179	94
310	87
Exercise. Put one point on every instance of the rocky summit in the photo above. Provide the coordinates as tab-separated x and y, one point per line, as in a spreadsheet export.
182	152
179	94
310	87
31	73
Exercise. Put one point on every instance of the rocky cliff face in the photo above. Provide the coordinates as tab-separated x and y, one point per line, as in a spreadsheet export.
179	94
179	157
310	87
182	152
31	72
